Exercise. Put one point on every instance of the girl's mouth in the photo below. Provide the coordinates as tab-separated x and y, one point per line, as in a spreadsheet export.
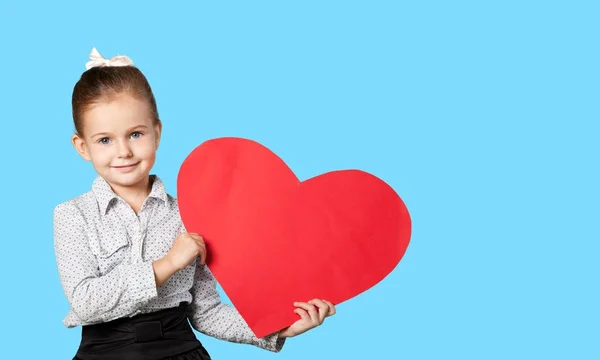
125	167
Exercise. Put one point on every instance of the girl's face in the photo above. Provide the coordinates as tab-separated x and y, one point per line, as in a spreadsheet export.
120	139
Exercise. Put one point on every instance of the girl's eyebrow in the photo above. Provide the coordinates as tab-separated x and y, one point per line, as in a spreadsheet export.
137	127
128	130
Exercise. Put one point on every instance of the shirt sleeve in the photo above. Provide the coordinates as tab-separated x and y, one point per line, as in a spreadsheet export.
210	316
94	297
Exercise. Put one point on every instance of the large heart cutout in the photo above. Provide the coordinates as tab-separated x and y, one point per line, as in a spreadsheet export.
273	240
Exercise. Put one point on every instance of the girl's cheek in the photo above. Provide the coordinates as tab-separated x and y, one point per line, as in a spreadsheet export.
149	150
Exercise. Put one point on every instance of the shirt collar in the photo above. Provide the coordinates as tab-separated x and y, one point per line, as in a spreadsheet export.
104	194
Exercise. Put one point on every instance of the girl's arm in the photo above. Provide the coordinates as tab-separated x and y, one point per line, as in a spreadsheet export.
93	297
163	270
210	316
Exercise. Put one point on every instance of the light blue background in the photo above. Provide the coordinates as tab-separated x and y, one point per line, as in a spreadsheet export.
482	115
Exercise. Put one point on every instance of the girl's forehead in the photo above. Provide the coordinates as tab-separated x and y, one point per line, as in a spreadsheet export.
120	113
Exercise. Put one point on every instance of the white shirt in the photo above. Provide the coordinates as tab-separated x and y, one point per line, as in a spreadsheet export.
104	253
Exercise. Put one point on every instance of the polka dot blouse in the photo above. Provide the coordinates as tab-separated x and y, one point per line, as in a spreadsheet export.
104	252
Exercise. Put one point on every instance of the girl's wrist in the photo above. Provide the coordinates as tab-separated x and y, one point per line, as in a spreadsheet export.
170	263
163	270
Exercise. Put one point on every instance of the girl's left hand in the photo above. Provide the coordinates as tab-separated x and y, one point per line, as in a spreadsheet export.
312	314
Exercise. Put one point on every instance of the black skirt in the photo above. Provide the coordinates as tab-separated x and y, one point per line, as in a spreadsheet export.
197	354
161	335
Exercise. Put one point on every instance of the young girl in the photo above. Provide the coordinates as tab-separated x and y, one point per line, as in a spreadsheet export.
132	276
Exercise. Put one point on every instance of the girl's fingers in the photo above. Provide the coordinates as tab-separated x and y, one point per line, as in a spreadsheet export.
323	309
202	252
202	256
311	309
201	247
197	238
303	314
331	307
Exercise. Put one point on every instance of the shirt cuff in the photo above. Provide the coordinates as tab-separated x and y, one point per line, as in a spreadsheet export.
273	342
141	283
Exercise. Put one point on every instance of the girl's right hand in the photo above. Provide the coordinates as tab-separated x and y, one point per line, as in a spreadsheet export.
186	247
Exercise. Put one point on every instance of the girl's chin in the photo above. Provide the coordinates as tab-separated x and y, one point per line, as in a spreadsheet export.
128	179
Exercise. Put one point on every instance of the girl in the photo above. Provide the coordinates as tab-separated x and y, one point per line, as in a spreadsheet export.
132	275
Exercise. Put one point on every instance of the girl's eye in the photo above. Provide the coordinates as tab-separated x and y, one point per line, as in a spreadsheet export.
136	135
104	140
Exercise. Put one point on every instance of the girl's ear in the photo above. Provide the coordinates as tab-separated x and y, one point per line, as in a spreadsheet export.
80	146
157	132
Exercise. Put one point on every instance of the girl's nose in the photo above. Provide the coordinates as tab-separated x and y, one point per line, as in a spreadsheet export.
124	150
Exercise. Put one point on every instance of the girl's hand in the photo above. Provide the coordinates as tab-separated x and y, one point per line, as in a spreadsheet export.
186	247
312	314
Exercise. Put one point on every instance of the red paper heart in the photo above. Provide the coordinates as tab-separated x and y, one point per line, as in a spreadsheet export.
273	240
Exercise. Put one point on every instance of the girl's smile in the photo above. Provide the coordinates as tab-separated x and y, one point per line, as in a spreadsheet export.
126	168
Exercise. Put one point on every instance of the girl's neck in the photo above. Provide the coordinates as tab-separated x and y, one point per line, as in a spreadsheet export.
136	194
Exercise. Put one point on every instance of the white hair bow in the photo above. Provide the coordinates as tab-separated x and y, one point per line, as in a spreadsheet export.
99	60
